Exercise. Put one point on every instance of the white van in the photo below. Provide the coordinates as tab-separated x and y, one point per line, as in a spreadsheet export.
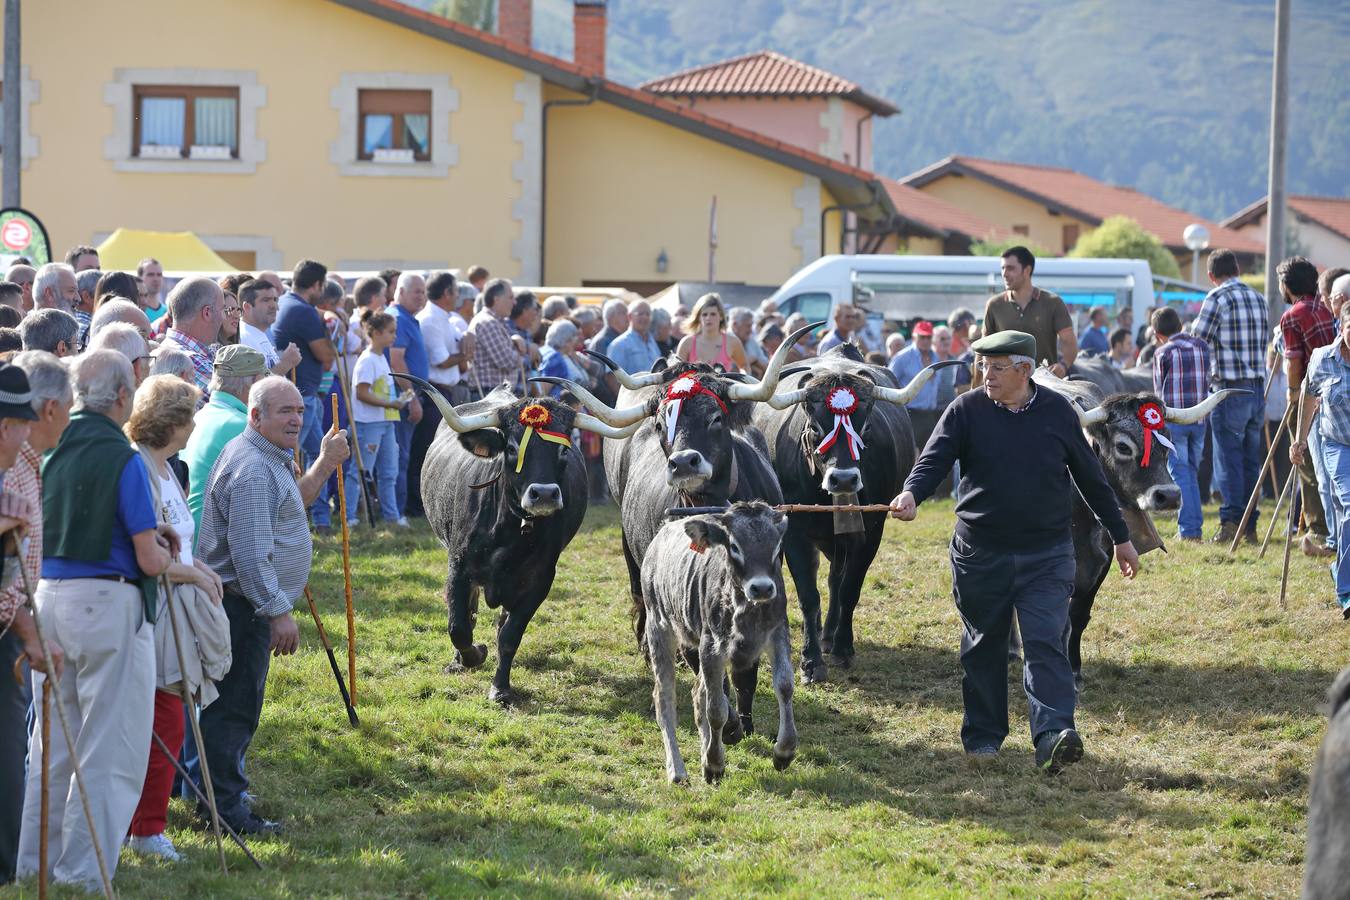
902	288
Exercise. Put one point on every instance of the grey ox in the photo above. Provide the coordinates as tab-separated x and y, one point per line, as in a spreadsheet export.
713	585
1327	863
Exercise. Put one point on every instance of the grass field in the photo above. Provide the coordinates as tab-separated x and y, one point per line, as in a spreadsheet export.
1200	716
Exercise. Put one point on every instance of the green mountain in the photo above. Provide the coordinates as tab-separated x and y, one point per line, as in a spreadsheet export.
1172	98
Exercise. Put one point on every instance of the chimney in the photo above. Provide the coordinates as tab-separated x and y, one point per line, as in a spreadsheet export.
588	36
513	21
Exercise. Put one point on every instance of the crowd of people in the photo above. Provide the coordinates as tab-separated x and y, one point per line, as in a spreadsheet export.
179	447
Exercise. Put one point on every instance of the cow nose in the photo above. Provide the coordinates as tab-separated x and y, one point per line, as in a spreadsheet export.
684	463
1164	496
760	588
542	499
843	481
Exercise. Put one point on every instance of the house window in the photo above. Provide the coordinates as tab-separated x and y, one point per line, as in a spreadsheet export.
395	126
1070	237
189	121
1023	230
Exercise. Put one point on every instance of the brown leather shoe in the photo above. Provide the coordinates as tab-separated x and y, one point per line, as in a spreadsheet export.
1315	545
1225	534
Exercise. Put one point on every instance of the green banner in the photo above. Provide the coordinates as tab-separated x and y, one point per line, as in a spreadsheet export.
22	234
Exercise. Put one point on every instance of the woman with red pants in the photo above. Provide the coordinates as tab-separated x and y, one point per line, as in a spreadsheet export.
160	423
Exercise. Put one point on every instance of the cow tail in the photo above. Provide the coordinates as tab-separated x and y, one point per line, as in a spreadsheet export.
640	627
1338	694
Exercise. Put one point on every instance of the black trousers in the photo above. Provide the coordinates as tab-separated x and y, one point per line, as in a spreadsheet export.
229	723
988	586
14	702
423	434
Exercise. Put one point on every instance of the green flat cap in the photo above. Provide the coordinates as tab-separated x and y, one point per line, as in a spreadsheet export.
1006	343
236	360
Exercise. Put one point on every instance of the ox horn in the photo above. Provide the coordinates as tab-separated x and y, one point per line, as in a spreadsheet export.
617	418
632	382
1189	415
591	423
764	388
459	423
1086	417
901	396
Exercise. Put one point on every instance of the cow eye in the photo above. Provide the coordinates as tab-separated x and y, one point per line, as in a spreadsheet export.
715	421
1124	449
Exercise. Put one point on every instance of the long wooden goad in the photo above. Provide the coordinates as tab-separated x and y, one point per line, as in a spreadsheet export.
332	660
346	569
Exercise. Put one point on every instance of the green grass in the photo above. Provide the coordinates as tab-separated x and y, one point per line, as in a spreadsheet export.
1201	721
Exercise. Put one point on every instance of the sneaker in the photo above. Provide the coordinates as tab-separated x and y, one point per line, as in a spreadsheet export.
1315	545
402	522
982	754
252	824
1054	750
154	845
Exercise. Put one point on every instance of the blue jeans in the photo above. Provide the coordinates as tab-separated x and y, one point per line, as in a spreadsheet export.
1336	460
311	441
1182	465
1236	423
988	585
1324	486
350	486
403	430
228	724
379	453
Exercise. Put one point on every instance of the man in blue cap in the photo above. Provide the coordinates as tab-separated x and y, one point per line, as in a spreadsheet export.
1022	454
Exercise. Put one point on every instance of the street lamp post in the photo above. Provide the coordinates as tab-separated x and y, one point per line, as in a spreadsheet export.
1196	238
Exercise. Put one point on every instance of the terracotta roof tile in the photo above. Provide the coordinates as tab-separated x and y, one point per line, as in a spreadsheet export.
938	214
1085	197
764	74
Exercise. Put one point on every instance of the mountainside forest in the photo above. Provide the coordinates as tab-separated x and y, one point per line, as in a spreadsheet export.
1170	98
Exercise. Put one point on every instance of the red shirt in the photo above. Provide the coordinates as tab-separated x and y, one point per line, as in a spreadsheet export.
1306	326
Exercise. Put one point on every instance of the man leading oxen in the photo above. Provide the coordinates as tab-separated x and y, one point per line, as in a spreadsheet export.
505	492
837	432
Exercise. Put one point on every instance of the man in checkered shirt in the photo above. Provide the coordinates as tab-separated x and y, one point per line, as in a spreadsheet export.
1233	322
1181	379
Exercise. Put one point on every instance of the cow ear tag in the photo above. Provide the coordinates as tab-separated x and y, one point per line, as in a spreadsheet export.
698	546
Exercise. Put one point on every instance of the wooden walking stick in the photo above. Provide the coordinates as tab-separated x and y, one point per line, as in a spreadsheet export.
1265	425
201	798
1289	539
1256	491
332	660
65	732
189	708
1275	513
346	572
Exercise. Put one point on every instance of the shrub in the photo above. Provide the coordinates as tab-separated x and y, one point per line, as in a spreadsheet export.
1120	237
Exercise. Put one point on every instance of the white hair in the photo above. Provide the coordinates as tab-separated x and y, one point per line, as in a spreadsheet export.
172	361
48	379
740	314
559	333
99	377
613	306
261	393
405	279
49	276
1341	286
1018	359
123	338
115	311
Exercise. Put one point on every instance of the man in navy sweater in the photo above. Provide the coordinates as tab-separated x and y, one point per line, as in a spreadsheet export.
1022	454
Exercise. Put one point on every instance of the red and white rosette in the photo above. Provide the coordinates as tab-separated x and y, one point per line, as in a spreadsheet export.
843	403
680	390
1151	417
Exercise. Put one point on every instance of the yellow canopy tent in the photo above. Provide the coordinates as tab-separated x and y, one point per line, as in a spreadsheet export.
178	251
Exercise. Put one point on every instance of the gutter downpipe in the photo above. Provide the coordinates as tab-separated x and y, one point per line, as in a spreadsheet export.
843	208
593	93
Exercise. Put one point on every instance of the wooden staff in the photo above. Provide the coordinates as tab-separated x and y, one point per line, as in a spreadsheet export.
65	732
1275	514
787	507
1256	491
201	798
188	705
1289	535
332	660
346	571
1265	424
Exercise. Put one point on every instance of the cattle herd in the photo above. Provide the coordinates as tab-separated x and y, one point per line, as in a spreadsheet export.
505	491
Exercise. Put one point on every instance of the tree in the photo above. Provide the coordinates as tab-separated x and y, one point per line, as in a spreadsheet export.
992	247
474	13
1121	237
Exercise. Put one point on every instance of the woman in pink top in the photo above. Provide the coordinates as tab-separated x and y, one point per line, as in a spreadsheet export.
708	340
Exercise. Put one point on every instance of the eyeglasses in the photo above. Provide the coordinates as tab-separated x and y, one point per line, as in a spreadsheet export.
232	310
983	367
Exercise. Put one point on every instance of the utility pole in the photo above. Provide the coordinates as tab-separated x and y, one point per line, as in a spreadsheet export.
1279	120
12	146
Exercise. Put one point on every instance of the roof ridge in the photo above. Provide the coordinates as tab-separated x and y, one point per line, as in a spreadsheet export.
849	85
645	85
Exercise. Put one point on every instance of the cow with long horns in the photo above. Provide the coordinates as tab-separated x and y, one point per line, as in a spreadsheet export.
1126	431
838	432
505	492
698	449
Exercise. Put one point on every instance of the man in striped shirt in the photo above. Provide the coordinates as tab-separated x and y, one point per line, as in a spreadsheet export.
1233	322
255	537
197	307
1181	379
497	357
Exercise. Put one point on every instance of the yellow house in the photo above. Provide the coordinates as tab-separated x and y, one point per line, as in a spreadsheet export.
1053	207
367	133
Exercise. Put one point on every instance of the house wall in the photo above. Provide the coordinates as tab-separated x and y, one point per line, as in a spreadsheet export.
1321	245
1007	210
828	126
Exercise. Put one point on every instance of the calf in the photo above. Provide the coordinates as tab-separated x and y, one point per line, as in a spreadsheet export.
722	597
1327	862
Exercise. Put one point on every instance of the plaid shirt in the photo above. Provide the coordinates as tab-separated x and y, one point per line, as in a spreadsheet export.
1181	371
24	478
254	533
1329	380
203	365
1306	325
494	356
1233	322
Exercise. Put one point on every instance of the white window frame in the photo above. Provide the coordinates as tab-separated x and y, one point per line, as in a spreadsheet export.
120	95
344	98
